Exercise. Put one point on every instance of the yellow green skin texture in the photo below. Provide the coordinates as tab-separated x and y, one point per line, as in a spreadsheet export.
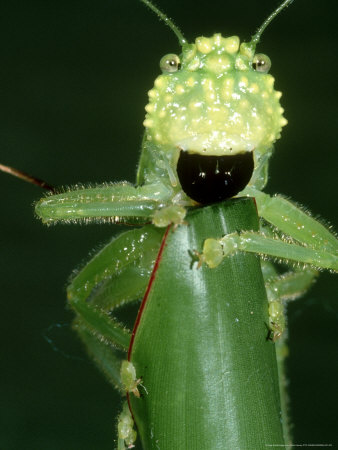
216	103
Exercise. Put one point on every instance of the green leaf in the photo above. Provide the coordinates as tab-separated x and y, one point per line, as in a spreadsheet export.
209	373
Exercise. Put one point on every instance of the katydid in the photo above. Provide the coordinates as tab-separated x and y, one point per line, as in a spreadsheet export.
215	82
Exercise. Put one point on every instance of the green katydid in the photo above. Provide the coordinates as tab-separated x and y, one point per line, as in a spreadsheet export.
164	202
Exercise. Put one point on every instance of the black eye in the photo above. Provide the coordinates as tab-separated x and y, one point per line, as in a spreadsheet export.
170	63
261	63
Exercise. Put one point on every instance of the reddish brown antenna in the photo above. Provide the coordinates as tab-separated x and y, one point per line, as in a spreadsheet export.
24	176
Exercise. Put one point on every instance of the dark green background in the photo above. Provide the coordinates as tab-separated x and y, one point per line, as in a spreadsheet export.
74	78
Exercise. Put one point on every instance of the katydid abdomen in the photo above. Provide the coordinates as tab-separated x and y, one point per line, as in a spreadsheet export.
200	347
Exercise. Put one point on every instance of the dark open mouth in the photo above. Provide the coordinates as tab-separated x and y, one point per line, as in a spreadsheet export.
210	179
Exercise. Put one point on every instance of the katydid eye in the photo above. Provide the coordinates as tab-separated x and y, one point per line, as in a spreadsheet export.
170	63
261	63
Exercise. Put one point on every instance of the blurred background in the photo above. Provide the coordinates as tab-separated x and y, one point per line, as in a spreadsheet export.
74	82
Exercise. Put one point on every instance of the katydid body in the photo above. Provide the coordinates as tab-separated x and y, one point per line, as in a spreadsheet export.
212	118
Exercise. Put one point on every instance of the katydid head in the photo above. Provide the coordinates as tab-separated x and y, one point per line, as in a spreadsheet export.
215	106
216	98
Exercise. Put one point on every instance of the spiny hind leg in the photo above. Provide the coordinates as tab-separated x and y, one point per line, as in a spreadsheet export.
116	275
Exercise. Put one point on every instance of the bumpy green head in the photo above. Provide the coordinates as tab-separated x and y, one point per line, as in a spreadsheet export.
217	100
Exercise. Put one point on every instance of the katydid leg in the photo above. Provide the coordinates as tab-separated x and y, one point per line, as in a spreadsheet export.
293	221
106	357
289	285
104	284
262	245
112	202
